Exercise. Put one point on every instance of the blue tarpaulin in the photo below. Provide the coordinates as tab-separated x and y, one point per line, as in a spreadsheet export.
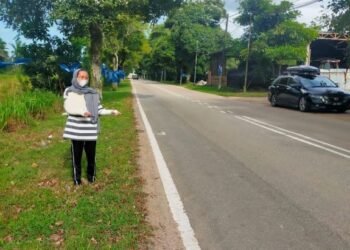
112	76
70	68
18	61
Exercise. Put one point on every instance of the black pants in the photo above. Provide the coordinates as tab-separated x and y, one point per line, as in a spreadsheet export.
77	152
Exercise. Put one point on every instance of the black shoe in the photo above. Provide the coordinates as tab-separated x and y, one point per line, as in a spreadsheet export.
91	179
77	183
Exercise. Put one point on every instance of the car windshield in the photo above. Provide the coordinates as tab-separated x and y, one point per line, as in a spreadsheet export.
316	82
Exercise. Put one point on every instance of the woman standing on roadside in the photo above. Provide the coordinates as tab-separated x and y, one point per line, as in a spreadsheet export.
83	107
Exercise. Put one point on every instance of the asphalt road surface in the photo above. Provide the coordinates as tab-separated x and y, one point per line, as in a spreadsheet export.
252	176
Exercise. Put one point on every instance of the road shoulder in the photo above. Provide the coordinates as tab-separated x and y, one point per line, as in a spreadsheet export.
165	234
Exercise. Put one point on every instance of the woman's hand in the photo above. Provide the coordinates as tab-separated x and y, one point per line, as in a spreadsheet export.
87	114
116	112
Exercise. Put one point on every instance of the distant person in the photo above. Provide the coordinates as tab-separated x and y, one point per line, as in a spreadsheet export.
83	107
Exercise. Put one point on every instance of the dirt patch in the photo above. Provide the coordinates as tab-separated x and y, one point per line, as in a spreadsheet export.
165	234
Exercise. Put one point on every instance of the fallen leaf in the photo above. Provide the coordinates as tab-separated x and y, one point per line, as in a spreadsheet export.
8	238
34	165
59	223
57	238
93	241
18	209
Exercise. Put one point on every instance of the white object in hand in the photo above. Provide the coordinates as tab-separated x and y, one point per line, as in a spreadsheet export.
75	104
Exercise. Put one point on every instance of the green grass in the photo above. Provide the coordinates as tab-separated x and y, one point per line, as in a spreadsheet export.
225	91
13	82
18	110
40	208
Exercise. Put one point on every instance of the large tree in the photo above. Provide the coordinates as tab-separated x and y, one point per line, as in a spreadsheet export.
195	29
273	36
78	18
339	19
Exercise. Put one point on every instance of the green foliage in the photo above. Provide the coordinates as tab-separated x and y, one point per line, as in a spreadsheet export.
264	14
22	108
3	51
44	70
87	19
287	42
126	44
29	17
277	39
41	209
190	29
339	20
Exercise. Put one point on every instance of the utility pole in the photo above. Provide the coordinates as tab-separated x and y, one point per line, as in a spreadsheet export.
247	60
195	64
223	51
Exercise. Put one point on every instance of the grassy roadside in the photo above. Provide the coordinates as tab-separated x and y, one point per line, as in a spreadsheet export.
225	91
40	208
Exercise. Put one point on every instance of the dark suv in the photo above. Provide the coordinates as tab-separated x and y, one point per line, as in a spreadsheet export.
302	87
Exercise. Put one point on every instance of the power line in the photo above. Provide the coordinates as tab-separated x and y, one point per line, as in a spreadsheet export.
306	4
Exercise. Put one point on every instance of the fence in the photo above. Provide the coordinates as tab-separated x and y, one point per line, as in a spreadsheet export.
340	76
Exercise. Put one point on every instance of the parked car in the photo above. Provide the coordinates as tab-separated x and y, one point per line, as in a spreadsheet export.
302	87
135	76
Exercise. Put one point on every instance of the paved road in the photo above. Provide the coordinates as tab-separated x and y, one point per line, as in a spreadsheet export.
252	176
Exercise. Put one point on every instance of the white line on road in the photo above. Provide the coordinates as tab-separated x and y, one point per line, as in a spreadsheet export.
307	140
174	200
300	135
223	112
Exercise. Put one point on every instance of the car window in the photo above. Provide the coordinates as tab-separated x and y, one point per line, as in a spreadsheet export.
284	81
292	81
316	82
276	81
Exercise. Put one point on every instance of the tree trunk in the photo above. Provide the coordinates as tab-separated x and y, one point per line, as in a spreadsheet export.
115	61
96	37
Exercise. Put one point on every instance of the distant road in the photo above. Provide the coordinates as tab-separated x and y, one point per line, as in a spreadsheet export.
252	176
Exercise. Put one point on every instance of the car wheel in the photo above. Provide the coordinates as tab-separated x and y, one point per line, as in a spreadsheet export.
304	105
273	100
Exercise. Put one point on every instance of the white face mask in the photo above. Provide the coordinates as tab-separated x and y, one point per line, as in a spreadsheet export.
82	83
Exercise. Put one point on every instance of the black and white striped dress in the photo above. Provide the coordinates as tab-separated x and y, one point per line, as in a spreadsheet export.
78	127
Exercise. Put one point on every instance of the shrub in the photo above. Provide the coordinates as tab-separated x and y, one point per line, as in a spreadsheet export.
20	110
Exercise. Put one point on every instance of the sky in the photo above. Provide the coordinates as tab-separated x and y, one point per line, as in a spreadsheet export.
308	14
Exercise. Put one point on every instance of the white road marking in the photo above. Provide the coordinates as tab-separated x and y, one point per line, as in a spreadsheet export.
301	135
301	138
174	200
223	112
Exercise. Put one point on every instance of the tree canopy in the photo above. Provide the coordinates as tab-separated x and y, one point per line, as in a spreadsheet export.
192	29
339	20
277	39
79	18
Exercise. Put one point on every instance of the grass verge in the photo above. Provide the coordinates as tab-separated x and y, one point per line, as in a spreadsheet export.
40	208
19	110
225	91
